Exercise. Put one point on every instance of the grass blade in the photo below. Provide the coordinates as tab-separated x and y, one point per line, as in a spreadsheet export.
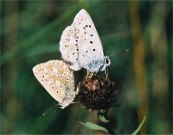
93	126
140	126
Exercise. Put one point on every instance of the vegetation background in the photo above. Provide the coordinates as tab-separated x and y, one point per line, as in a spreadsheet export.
30	34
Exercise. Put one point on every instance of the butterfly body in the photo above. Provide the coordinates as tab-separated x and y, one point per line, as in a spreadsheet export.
95	65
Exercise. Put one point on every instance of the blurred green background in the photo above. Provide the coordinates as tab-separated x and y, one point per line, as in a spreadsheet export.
30	34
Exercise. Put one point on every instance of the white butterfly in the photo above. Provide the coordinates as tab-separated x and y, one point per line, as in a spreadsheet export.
58	80
81	46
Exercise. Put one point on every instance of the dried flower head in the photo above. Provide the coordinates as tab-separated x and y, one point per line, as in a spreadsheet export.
97	93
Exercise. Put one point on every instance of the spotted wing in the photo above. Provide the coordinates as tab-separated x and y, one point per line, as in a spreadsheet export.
69	47
89	43
58	80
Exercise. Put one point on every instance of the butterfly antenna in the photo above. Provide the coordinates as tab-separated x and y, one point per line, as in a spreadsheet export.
124	51
127	50
50	108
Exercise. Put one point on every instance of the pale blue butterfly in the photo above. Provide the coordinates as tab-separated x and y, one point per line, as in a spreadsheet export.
81	46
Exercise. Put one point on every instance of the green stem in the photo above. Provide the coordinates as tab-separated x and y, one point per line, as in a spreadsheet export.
109	128
140	126
106	123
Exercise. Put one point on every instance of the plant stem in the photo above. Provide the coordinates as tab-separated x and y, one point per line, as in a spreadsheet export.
106	123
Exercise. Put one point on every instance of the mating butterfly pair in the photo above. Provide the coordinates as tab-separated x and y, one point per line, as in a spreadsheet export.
80	46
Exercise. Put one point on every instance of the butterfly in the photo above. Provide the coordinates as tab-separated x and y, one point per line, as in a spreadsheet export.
81	46
58	80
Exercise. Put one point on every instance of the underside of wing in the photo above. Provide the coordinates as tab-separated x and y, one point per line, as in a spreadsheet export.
56	77
69	47
89	43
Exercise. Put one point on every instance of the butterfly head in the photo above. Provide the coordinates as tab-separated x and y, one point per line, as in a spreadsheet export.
107	63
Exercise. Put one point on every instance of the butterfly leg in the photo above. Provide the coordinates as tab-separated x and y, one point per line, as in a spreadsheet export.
89	75
106	72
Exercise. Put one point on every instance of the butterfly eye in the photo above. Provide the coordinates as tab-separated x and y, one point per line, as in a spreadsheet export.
107	61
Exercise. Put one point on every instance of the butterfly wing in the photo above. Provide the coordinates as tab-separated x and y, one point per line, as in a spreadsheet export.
68	47
58	80
89	43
